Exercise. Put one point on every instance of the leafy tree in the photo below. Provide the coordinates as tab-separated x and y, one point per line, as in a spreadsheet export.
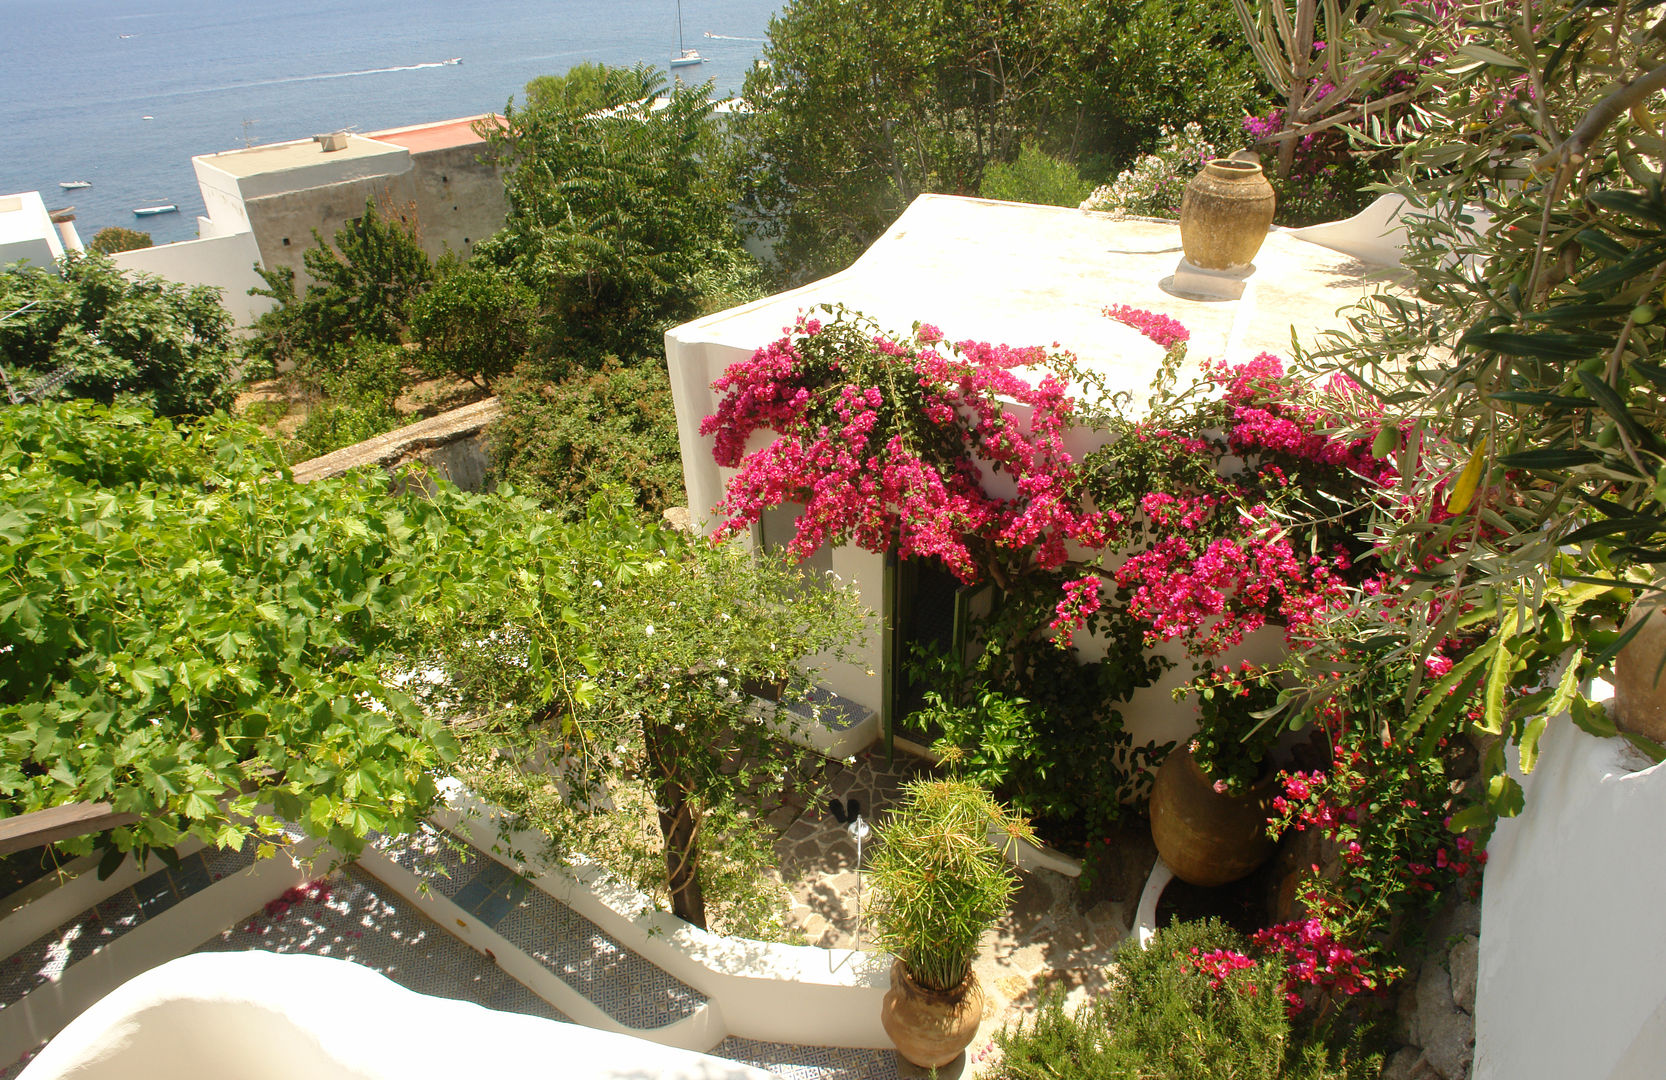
186	634
355	402
619	197
567	441
115	238
476	323
861	108
94	331
619	655
361	288
1522	369
583	88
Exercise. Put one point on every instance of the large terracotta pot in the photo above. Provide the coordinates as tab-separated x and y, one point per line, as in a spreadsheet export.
930	1027
1205	837
1639	679
1224	215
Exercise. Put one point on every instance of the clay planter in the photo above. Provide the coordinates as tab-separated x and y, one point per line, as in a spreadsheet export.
930	1027
1640	698
1224	215
1207	838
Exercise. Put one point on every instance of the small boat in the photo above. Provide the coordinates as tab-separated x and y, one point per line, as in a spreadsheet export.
147	211
685	57
453	60
74	185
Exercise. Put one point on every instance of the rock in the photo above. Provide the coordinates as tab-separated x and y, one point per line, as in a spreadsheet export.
1446	1033
1405	1013
1406	1064
1462	963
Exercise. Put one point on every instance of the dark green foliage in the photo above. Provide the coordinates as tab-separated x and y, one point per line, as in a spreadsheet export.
615	211
862	107
115	238
187	634
361	290
1034	177
476	323
1040	728
134	337
564	442
583	88
1162	1020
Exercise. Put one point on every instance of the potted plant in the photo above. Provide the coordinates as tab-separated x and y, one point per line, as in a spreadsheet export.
938	887
1212	797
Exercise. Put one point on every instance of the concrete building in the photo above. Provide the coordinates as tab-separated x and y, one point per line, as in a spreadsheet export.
27	231
285	191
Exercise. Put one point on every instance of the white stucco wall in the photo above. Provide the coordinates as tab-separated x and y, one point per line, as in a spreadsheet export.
27	232
1572	970
265	1016
226	263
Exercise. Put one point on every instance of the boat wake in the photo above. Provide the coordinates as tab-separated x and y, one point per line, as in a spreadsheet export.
727	37
317	78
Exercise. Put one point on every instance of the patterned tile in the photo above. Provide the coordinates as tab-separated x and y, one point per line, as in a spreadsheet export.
357	919
622	984
435	857
792	1062
46	958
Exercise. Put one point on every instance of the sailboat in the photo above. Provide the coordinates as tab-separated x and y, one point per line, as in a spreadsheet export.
685	57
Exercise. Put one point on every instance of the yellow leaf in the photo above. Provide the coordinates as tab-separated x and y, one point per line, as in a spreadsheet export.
1464	490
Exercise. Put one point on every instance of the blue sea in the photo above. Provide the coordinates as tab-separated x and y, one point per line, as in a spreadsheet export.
124	92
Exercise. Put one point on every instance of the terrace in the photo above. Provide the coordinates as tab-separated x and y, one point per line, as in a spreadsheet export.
457	911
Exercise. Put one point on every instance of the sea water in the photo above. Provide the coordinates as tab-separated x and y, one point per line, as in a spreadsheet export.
124	92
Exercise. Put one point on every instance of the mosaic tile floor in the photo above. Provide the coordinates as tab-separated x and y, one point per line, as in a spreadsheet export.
811	1062
357	919
622	984
45	958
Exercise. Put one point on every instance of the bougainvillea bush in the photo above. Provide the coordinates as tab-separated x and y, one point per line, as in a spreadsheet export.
1246	499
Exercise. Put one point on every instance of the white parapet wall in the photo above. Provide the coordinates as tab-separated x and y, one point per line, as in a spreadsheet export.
1572	970
764	991
264	1016
226	263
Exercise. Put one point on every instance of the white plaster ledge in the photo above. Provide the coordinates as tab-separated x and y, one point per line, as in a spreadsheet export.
265	1016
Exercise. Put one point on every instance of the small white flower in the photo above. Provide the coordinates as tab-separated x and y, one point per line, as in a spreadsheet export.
650	630
597	583
851	760
722	683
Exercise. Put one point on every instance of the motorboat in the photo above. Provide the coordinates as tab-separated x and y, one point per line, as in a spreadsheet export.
148	211
74	185
453	60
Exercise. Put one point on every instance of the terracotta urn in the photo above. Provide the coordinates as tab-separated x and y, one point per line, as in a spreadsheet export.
1639	679
930	1027
1208	838
1224	215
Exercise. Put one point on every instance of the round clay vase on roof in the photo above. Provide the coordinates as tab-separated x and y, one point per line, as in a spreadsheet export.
1639	678
1224	214
1206	837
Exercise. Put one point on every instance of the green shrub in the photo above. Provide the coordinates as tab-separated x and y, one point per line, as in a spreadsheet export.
1035	177
357	401
563	442
90	330
475	324
1163	1019
115	238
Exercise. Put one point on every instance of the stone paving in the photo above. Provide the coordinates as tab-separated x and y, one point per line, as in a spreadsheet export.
1054	931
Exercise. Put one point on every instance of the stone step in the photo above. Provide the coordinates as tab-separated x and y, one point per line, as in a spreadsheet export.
569	960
